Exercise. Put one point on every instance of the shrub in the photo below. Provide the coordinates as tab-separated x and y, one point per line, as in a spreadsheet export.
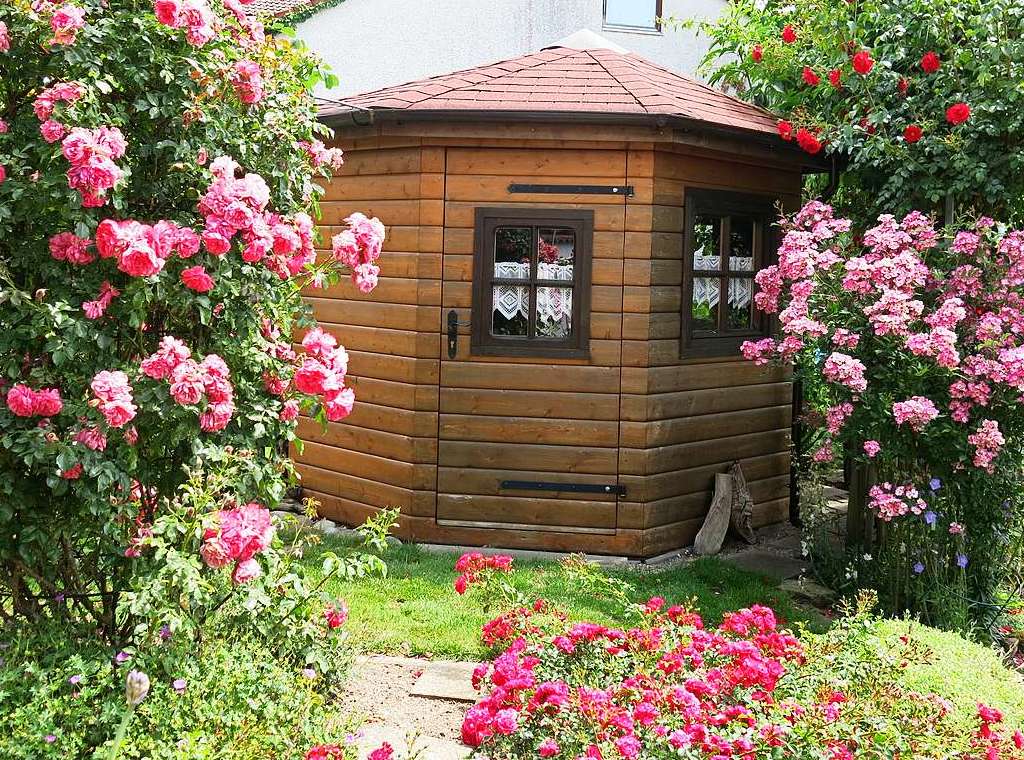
911	337
159	164
663	686
915	99
228	698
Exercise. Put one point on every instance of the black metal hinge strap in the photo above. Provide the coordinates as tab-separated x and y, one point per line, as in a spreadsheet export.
535	485
625	190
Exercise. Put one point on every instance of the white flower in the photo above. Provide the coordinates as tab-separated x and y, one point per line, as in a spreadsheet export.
786	10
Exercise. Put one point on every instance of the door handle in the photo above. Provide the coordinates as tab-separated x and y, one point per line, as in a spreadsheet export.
453	332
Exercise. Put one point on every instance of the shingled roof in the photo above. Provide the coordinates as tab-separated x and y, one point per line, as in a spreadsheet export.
560	80
278	7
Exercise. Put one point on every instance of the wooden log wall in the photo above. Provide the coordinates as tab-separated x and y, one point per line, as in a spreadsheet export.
385	453
684	420
537	419
435	436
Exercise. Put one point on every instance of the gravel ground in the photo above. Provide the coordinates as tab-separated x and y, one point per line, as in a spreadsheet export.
379	689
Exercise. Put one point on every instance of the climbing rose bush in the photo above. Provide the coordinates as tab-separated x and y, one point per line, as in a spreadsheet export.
914	99
914	339
159	170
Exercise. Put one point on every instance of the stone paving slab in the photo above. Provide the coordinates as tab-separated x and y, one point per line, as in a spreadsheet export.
771	564
429	748
447	680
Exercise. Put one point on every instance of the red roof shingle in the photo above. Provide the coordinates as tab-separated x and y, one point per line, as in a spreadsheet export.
561	79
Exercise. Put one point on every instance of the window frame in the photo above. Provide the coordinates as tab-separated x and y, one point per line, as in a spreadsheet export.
487	220
612	27
763	209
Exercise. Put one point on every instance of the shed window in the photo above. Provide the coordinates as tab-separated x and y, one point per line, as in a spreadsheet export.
727	240
633	15
531	294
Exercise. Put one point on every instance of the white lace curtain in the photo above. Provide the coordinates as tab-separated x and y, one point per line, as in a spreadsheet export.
705	289
553	304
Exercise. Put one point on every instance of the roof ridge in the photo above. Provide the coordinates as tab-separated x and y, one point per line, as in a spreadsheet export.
616	79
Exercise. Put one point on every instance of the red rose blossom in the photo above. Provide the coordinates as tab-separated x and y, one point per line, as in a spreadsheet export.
785	130
789	34
808	141
930	62
810	77
958	113
863	62
757	54
903	85
912	133
835	78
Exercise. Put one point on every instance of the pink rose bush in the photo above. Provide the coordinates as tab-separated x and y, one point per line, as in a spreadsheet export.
913	339
156	234
665	685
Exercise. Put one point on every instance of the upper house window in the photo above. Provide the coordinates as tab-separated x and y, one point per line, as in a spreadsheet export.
727	240
633	15
531	277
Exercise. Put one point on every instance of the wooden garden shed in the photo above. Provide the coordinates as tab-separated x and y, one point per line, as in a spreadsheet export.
551	359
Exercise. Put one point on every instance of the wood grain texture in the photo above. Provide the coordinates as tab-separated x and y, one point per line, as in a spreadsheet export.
436	437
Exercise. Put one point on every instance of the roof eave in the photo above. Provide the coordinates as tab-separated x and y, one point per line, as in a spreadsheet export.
355	117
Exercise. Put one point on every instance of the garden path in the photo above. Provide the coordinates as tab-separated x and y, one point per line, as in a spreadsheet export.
413	704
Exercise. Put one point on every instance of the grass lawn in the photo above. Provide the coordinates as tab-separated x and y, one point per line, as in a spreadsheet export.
415	610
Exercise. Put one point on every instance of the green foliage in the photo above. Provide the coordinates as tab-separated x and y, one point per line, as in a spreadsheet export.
236	701
980	44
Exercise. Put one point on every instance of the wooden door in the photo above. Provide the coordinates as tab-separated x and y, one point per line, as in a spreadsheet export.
529	441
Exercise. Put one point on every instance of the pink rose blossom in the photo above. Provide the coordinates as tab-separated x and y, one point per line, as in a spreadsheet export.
237	536
290	410
5	38
871	448
21	400
97	308
987	441
114	394
91	153
187	386
845	370
917	412
91	438
66	246
47	402
196	278
171	353
52	131
246	571
247	79
65	22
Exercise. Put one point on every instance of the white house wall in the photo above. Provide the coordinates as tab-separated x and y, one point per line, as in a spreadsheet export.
377	43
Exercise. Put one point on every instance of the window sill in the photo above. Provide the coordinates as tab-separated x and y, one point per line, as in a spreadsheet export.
632	30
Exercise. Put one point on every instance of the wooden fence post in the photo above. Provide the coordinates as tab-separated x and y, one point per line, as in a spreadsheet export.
860	522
